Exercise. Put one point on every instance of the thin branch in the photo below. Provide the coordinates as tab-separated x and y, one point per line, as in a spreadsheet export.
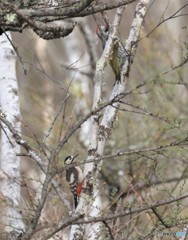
160	218
54	121
109	230
168	18
3	129
126	152
17	52
39	17
61	225
145	112
100	7
136	210
44	72
98	109
44	30
90	43
33	154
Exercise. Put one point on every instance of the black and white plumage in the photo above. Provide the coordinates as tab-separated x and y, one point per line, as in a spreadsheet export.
74	177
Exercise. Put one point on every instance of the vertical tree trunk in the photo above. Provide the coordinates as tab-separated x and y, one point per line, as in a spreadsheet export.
11	218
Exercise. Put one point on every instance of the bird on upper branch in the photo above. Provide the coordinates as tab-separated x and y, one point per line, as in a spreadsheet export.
119	54
74	177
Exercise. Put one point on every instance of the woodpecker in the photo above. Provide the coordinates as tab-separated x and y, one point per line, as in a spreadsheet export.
74	177
119	54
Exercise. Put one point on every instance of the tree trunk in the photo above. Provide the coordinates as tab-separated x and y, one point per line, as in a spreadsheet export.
11	218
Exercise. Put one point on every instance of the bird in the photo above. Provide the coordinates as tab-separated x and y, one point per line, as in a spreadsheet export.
119	54
74	176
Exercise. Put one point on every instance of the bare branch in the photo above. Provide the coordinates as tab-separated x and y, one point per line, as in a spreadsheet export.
174	15
60	225
133	211
37	18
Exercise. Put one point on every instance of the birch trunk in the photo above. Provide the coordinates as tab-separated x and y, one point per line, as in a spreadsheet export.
100	133
11	218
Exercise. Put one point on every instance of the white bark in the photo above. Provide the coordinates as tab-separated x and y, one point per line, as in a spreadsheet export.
78	59
10	162
95	230
80	88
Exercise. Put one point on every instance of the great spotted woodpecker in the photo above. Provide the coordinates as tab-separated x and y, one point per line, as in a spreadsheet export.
74	177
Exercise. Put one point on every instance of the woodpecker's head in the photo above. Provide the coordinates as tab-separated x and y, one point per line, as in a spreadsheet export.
102	33
69	159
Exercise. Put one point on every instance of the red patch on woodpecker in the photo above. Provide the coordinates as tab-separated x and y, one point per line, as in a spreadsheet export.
79	188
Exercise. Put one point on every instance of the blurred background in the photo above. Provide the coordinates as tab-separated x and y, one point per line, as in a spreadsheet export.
154	115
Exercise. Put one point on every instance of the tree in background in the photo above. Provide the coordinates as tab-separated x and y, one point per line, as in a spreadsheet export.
10	163
128	135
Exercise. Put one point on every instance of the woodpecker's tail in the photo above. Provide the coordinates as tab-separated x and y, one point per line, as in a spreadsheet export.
75	202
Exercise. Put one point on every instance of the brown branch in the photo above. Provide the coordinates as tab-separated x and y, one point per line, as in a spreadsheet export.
166	19
60	225
23	143
109	230
33	154
90	43
44	30
140	151
133	211
40	161
104	7
38	17
79	124
160	218
144	111
100	7
34	220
